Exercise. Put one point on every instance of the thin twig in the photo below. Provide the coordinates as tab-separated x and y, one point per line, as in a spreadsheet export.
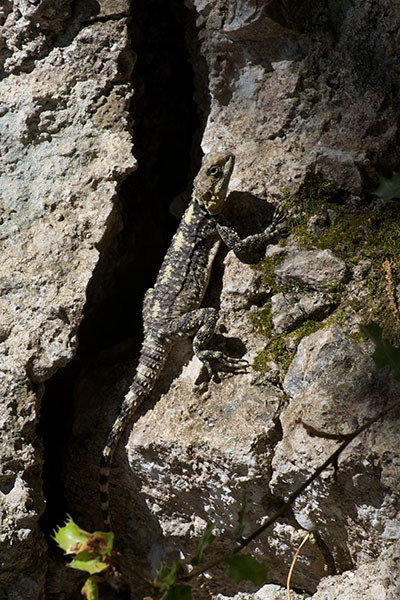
313	432
331	460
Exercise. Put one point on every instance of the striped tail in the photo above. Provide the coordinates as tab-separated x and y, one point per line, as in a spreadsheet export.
151	362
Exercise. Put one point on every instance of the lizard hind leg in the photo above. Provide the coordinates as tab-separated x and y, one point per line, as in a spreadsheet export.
202	323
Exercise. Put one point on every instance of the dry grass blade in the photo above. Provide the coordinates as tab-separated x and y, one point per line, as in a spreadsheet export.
289	577
390	290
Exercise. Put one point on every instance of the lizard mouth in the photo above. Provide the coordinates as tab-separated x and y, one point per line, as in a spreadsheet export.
212	203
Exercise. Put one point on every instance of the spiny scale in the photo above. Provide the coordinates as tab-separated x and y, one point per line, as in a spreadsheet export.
179	289
151	362
172	308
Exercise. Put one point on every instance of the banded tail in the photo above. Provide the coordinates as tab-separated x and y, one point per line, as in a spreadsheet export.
151	361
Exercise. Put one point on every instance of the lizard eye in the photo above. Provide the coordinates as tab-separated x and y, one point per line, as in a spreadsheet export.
214	171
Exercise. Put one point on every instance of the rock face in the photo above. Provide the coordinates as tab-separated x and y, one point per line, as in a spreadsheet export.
305	88
65	145
316	269
333	386
288	310
291	88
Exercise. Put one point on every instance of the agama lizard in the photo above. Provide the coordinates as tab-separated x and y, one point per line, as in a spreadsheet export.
171	308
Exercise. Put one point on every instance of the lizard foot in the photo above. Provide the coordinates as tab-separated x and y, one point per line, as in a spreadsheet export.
238	365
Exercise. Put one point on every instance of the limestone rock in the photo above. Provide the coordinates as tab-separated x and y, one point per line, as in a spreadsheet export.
267	592
291	88
242	285
316	269
298	98
380	576
334	387
65	146
288	310
272	90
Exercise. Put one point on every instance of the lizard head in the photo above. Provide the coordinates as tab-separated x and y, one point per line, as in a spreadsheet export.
211	184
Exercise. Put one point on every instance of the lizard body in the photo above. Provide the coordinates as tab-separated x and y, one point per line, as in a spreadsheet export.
172	307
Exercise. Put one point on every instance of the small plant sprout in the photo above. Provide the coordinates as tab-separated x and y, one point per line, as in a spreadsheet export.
91	553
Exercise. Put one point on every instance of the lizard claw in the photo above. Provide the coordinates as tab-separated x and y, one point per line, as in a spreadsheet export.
279	215
278	223
237	365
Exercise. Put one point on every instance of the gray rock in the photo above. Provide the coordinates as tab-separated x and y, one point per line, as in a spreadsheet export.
290	87
267	592
288	310
334	386
273	250
65	146
316	269
320	353
242	285
380	576
315	224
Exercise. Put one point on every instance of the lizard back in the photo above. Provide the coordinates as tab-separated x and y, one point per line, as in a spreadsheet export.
171	308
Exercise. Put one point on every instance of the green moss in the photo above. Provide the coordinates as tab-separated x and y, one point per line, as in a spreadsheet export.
352	235
314	194
313	197
345	234
262	321
282	348
366	233
267	266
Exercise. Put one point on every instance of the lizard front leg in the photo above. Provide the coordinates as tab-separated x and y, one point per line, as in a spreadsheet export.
202	323
246	247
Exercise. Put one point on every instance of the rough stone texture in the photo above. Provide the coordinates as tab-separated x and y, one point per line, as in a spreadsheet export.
297	89
200	446
333	386
291	90
194	452
378	579
65	145
267	592
244	286
289	87
317	269
289	310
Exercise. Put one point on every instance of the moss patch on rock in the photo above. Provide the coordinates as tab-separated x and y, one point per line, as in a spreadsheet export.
365	236
282	348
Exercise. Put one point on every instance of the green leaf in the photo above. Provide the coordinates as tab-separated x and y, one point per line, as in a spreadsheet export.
205	542
244	566
71	538
89	562
238	532
167	575
74	540
385	354
178	592
91	590
388	188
